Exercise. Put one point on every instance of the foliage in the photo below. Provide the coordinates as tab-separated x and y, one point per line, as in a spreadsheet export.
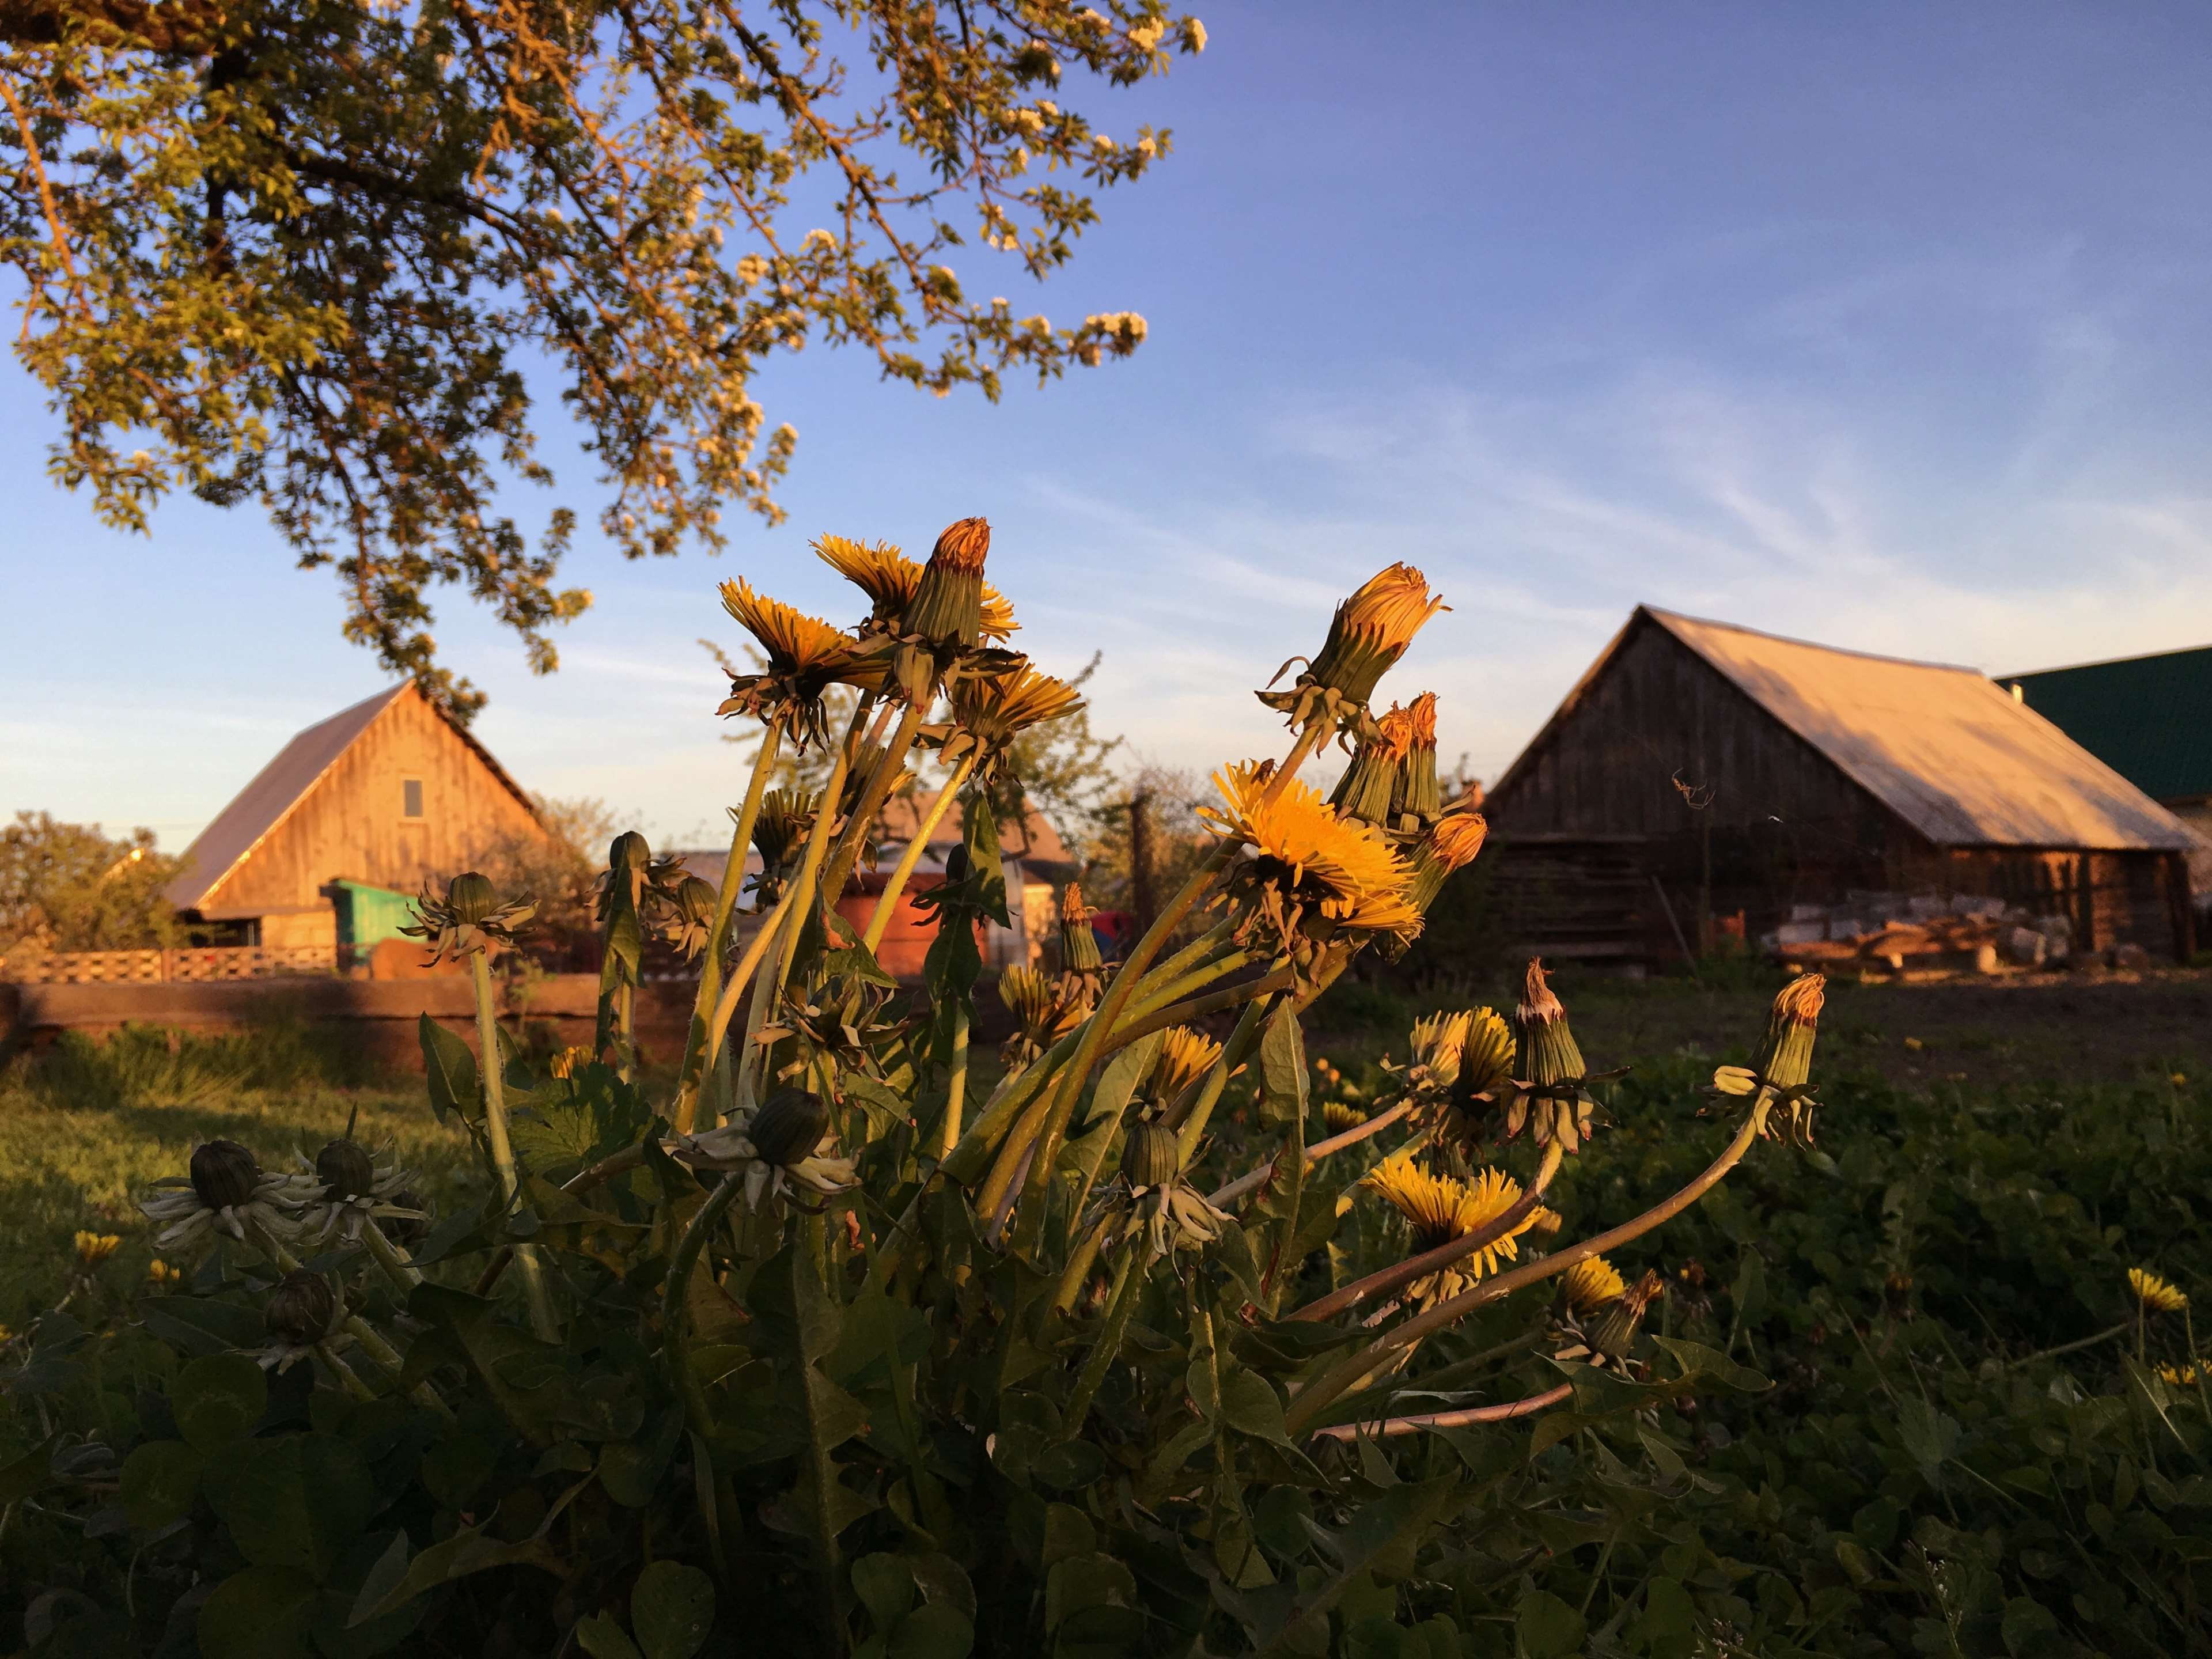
73	887
307	252
810	1343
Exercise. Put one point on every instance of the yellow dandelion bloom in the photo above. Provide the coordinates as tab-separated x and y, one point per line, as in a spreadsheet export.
1185	1056
161	1275
93	1248
1421	716
796	643
1395	733
1354	876
991	709
1590	1283
566	1062
2155	1294
1441	1208
2178	1376
1340	1116
1438	1041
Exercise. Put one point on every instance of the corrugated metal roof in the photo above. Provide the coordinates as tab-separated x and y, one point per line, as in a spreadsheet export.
1948	750
2148	718
264	804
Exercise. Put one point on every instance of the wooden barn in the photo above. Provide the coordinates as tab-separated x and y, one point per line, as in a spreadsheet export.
1703	779
323	849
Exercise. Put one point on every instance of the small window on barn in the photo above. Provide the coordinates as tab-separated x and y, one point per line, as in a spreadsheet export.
410	798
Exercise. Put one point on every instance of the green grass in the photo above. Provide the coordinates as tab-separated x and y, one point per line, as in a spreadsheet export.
85	1126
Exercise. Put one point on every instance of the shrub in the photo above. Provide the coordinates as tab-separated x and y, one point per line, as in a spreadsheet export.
72	887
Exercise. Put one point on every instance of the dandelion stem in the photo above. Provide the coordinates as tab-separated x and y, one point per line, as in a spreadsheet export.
1320	1149
2075	1346
697	1052
887	901
505	1177
346	1374
1121	1304
872	797
398	1266
1312	1400
957	1085
1391	1426
726	1003
675	1320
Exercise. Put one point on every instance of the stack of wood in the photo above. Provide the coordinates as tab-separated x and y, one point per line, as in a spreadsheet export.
1934	937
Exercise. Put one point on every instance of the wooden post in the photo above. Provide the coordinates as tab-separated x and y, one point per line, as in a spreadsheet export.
1141	898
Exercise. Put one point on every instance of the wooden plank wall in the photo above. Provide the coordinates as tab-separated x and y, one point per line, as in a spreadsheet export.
350	824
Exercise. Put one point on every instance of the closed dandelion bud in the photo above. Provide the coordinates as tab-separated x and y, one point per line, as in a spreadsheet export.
1786	1059
1613	1333
629	851
695	901
224	1174
1420	796
1078	945
789	1127
345	1169
948	604
1371	630
302	1310
1150	1156
1547	1047
1371	781
470	896
1450	844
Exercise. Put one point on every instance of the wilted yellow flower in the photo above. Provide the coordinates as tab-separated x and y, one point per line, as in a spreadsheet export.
1372	780
2155	1294
93	1248
1185	1056
805	656
1305	860
1450	844
1078	945
1369	631
890	580
1590	1283
989	711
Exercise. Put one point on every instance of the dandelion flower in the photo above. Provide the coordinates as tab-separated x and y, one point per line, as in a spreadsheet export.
1438	1043
2178	1376
1441	1208
226	1190
93	1248
1420	796
1305	865
1340	1115
345	1188
161	1275
469	918
890	579
2155	1295
1185	1056
783	1149
1591	1282
304	1311
805	657
989	711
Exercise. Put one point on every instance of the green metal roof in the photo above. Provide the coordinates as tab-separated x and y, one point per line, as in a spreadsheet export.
2148	718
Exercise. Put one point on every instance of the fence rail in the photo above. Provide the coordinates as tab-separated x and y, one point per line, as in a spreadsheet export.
188	965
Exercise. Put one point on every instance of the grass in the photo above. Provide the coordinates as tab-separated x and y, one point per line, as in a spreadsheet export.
85	1125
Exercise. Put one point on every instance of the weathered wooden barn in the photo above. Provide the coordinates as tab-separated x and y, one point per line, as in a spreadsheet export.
327	842
1703	779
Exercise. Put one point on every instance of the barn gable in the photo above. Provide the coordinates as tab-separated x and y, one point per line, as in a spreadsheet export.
387	793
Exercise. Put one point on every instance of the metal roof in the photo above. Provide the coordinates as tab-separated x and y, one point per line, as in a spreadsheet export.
1948	750
256	810
2148	718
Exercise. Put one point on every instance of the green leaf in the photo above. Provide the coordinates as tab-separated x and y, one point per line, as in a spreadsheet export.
2029	1630
1380	1539
1283	1068
298	1500
630	1470
373	1564
602	1638
933	1632
885	1588
1250	1406
202	1325
28	1474
218	1400
1381	1638
1548	1627
262	1613
671	1608
466	1552
450	1069
160	1480
1669	1623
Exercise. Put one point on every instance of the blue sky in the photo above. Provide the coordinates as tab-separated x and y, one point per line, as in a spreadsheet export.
1881	325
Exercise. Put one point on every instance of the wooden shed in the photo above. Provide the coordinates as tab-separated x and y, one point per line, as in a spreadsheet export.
1703	779
353	814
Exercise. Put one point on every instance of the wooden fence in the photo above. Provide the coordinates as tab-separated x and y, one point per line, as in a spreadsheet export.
186	965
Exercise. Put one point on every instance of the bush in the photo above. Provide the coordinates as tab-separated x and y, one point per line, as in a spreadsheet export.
71	887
